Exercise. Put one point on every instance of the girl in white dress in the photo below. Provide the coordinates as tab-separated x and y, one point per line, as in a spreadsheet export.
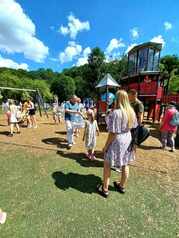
91	127
13	118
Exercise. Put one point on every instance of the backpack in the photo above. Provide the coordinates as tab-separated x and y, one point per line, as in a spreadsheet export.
139	135
175	119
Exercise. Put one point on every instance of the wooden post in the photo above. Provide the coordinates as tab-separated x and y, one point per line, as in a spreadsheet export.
38	102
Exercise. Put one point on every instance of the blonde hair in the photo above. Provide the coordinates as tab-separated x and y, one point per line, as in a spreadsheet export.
11	102
91	113
122	102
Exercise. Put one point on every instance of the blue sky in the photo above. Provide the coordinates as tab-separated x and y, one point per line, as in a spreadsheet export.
58	34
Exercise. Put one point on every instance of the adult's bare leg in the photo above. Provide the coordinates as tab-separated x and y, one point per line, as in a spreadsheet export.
106	175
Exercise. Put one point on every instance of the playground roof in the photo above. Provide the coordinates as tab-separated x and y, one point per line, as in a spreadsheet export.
153	45
107	81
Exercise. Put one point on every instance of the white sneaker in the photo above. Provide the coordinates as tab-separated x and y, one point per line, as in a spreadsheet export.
29	126
3	216
69	145
35	126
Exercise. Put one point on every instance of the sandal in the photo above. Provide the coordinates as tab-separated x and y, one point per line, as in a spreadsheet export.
101	191
93	157
119	188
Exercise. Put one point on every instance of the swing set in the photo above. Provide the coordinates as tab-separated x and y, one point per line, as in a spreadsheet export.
37	97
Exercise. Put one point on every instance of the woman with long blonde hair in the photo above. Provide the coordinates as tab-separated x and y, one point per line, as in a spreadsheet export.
116	150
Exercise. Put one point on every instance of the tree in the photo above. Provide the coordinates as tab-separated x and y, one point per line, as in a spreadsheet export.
63	87
174	84
96	66
169	68
82	87
44	89
117	68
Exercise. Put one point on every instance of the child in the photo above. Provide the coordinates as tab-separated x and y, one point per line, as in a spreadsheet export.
13	118
56	113
91	127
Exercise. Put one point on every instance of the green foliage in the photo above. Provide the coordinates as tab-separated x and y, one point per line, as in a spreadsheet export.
25	96
63	87
170	63
79	80
174	84
96	66
82	87
169	68
22	79
117	68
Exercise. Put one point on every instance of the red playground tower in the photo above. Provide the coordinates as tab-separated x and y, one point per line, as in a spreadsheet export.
144	76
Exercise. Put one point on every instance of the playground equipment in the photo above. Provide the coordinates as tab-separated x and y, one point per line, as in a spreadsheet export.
37	97
144	76
107	98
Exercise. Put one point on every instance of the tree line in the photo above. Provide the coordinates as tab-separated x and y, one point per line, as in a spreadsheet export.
79	80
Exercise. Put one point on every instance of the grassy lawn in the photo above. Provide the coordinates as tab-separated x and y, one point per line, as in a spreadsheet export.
49	195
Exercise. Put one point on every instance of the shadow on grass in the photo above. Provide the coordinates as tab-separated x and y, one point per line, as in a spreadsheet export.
102	128
4	125
6	133
81	159
148	147
61	132
83	183
48	123
59	142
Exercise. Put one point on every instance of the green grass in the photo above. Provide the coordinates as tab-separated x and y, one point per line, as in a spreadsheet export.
53	196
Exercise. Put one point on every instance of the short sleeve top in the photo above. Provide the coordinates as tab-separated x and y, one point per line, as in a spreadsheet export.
166	120
138	107
70	106
118	122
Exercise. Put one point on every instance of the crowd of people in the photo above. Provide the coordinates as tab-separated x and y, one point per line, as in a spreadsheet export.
125	116
17	113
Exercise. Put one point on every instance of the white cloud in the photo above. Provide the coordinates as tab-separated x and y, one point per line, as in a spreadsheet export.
17	32
82	61
84	58
134	33
71	52
158	39
167	25
8	63
74	27
130	47
114	44
86	51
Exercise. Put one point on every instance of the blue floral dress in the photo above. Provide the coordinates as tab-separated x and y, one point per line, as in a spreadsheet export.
118	154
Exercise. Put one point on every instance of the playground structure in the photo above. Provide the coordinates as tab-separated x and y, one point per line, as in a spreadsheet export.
37	97
107	98
144	76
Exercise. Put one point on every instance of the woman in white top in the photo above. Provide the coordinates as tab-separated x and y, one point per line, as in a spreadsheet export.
13	118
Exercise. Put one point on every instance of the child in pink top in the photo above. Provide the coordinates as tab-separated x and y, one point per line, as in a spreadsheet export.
167	130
